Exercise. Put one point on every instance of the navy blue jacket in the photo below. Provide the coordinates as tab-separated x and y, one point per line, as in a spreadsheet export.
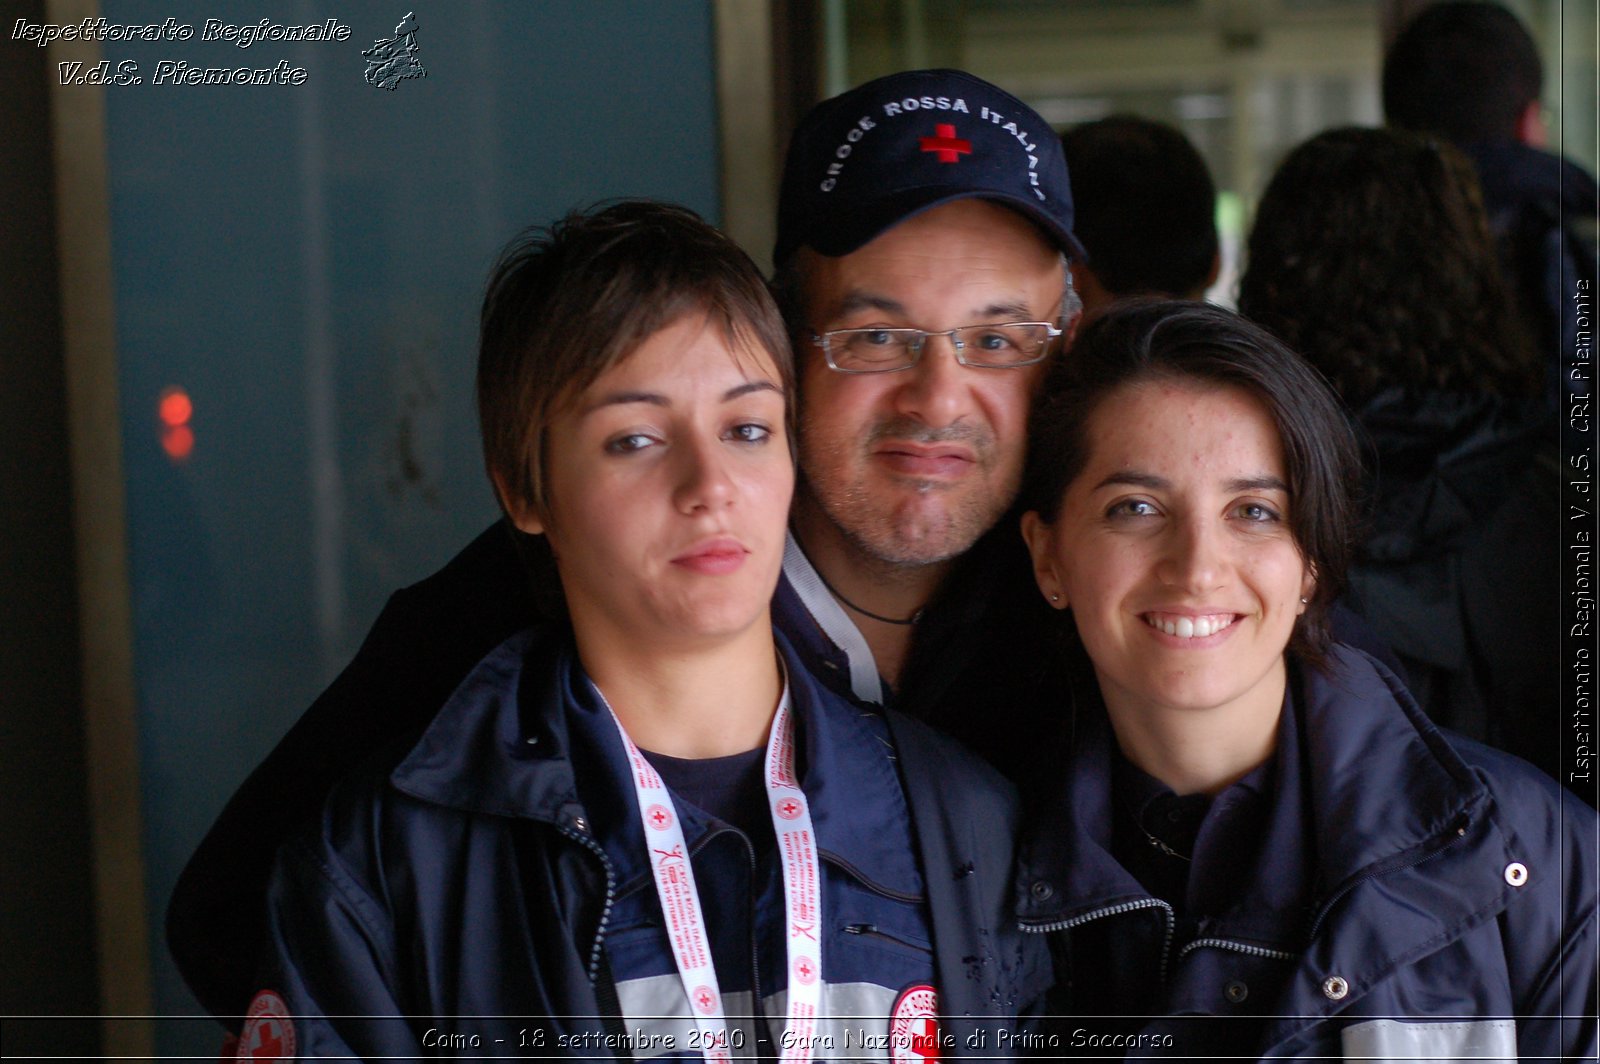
1447	882
1465	532
1541	210
979	658
466	885
431	634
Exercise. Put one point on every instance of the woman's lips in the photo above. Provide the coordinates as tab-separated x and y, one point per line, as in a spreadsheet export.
713	557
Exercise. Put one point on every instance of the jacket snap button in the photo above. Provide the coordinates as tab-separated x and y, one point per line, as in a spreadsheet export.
1335	988
579	824
1236	992
1042	890
1516	873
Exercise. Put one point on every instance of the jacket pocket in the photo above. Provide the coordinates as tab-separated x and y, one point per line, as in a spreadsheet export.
888	936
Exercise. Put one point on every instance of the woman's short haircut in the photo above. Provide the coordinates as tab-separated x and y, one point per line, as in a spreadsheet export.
1151	340
567	302
1371	256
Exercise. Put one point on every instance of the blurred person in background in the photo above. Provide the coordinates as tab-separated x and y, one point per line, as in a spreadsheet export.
1146	211
1371	256
1470	73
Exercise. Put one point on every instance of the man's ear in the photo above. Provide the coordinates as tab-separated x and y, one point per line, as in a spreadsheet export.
1530	128
1040	538
523	515
1089	289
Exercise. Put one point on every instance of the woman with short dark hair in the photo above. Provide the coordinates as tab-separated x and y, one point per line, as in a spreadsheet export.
642	830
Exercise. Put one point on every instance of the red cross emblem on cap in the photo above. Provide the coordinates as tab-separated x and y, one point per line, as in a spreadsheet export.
788	809
945	144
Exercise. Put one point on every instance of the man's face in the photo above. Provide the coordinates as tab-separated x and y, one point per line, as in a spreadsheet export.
913	466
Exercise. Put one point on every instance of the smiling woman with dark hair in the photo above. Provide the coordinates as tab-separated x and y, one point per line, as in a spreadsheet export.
1255	824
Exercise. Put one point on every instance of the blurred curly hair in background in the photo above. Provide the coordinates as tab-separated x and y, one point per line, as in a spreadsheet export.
1371	256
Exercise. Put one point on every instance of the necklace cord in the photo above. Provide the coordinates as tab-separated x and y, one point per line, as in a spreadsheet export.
903	622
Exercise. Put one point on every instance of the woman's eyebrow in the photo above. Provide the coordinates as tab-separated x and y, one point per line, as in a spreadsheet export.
1134	478
1260	482
624	398
657	399
750	386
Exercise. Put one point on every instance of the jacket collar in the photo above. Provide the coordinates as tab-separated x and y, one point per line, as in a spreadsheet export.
1513	173
508	740
1381	785
483	753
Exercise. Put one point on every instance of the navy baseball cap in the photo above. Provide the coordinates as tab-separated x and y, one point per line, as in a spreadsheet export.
872	157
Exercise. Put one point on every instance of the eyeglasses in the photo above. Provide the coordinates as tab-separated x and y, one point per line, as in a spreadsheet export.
1011	345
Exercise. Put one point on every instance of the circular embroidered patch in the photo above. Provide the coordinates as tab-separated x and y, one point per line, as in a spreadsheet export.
268	1031
704	1000
789	808
658	817
914	1026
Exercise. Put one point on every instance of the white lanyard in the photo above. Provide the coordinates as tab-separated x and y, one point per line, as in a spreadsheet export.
680	900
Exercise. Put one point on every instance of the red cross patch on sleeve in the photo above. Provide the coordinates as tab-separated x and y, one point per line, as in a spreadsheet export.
914	1026
268	1030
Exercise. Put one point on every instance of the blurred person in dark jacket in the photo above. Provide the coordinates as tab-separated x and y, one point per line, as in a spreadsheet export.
1371	256
1146	211
1470	72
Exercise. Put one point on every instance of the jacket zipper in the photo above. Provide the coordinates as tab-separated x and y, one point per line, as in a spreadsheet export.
868	882
1117	910
1383	870
874	931
1237	947
611	896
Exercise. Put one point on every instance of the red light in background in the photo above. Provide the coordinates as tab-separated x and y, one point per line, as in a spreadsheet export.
174	409
177	441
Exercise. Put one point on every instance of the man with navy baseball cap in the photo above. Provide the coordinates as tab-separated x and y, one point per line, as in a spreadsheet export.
925	222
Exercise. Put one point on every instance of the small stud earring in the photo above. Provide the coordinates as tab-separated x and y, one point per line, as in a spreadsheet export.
1055	598
1304	601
